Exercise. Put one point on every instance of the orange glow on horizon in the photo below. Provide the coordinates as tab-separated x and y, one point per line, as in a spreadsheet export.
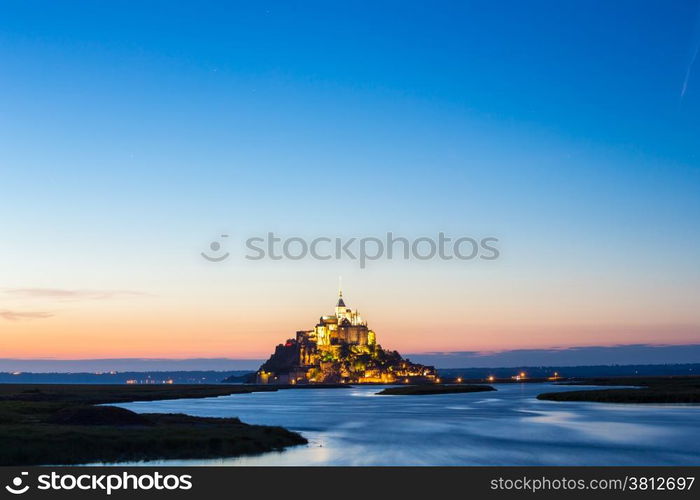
249	326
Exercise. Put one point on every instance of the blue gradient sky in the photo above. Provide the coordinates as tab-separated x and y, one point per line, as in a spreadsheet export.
131	134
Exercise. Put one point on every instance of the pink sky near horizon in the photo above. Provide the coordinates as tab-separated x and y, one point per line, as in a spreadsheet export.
240	322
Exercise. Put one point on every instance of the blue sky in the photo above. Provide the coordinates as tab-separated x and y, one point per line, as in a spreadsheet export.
131	133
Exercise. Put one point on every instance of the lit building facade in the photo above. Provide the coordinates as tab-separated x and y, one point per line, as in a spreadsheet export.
340	348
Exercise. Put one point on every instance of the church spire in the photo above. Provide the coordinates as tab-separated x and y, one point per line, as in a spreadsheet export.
341	303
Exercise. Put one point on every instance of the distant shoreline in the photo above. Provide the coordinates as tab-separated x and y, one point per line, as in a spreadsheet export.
196	377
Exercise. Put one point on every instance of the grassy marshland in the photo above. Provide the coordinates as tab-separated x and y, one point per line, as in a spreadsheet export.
646	390
60	424
419	390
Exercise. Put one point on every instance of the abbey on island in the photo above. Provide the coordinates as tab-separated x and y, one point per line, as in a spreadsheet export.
339	349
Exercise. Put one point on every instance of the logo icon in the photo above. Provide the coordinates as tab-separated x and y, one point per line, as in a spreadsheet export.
15	489
215	246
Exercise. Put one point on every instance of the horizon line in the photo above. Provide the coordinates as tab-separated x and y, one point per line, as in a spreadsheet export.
480	352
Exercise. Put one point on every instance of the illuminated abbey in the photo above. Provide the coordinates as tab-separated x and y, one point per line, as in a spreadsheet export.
339	349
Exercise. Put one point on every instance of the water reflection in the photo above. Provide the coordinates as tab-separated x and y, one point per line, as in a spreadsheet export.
509	427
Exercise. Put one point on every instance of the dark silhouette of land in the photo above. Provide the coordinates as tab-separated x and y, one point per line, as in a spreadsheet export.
646	390
197	377
419	390
118	377
60	424
579	371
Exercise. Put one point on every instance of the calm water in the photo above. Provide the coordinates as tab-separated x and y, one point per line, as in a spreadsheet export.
509	427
